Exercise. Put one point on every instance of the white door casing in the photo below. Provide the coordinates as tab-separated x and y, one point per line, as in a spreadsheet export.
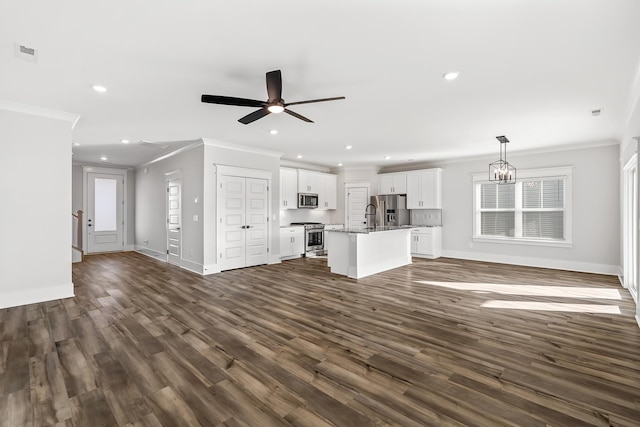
630	224
357	199
105	212
174	221
243	221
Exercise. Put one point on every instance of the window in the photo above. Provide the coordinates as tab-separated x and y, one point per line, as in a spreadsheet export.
536	209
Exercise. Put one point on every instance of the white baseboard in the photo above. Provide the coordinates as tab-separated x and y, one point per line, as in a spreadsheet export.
151	253
555	264
129	248
638	320
210	269
192	266
24	297
275	259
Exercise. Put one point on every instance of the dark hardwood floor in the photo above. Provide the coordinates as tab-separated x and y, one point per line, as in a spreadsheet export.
440	342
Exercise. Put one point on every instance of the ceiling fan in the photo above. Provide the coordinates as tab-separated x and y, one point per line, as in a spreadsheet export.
275	104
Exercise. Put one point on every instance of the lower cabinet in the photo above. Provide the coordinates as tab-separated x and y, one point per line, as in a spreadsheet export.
291	242
426	242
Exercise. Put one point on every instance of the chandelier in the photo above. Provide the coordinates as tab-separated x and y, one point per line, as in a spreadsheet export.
501	171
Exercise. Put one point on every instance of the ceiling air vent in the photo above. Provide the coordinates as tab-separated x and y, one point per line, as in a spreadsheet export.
596	112
26	53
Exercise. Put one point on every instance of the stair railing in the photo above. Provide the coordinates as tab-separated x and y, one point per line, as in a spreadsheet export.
77	220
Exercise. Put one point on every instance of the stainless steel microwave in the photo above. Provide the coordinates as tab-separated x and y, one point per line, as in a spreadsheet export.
307	200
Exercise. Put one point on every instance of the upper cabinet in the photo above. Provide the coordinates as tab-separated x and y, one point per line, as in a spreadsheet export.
309	182
288	188
424	189
294	181
392	183
327	196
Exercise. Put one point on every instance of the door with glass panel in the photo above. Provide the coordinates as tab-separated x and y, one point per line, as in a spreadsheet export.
105	207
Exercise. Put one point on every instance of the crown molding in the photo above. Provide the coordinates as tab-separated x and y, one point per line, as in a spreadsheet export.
34	110
237	147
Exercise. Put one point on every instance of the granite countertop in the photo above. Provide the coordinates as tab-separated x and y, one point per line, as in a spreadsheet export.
369	230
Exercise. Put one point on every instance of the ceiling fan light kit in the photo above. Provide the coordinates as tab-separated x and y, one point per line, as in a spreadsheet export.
275	104
501	171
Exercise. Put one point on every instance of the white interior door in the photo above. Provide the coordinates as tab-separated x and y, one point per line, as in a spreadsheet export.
357	201
105	212
256	222
243	222
232	222
174	221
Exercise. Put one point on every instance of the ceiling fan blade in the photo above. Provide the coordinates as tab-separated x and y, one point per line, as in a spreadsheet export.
294	114
230	100
274	85
252	117
315	100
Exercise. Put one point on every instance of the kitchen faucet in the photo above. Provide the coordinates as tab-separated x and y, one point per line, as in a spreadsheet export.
366	214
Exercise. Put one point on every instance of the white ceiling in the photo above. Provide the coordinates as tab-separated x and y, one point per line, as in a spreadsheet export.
529	69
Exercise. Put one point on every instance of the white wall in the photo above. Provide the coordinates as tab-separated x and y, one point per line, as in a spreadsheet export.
596	220
150	206
35	249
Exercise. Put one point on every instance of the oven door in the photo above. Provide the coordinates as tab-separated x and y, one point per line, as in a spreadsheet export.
315	239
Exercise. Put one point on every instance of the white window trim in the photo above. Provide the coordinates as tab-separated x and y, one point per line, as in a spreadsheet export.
558	172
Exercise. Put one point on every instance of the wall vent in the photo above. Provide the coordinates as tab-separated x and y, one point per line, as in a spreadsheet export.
26	53
596	112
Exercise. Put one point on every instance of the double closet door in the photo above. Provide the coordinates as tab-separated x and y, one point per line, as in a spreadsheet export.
243	221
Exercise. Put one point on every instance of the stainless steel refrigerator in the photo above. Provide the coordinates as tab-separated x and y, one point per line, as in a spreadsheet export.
390	210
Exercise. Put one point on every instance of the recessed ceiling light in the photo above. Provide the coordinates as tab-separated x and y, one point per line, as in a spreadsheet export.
387	157
103	158
99	88
125	141
348	147
339	164
299	156
273	131
452	75
76	144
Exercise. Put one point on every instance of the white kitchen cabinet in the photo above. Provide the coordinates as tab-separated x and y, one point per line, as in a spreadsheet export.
424	189
309	181
426	242
291	242
327	196
288	188
322	184
392	183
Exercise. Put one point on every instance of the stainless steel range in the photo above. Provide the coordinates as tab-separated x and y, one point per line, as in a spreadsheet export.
313	237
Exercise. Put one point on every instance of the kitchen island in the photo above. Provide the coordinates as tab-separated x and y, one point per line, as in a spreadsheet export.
361	252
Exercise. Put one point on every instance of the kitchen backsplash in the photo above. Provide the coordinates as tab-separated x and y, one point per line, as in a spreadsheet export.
426	216
305	215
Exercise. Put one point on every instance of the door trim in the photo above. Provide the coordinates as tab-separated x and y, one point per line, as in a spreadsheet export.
630	244
168	177
85	201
